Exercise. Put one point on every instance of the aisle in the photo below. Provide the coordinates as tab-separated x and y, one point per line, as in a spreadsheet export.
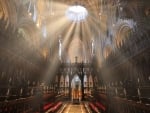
75	108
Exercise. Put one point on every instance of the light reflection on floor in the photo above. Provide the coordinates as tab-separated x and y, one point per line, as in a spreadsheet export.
75	108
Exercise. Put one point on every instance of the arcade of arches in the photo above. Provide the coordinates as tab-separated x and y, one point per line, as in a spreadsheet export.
71	56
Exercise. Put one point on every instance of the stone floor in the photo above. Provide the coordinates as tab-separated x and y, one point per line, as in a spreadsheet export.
75	108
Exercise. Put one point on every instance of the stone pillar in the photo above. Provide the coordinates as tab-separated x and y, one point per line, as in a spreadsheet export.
70	92
82	82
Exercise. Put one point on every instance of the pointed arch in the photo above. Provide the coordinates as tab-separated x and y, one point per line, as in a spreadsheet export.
124	28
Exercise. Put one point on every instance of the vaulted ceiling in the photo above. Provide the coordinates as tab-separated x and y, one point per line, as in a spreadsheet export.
107	24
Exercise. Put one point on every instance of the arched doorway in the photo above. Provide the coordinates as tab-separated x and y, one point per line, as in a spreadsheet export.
76	89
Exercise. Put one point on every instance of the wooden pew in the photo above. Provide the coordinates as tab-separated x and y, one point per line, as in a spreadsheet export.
93	108
55	108
47	106
100	106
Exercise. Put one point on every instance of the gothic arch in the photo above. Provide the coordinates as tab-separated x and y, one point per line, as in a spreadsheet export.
76	49
29	29
9	10
124	28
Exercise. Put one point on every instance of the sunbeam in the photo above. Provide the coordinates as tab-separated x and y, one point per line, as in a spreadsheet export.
73	56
